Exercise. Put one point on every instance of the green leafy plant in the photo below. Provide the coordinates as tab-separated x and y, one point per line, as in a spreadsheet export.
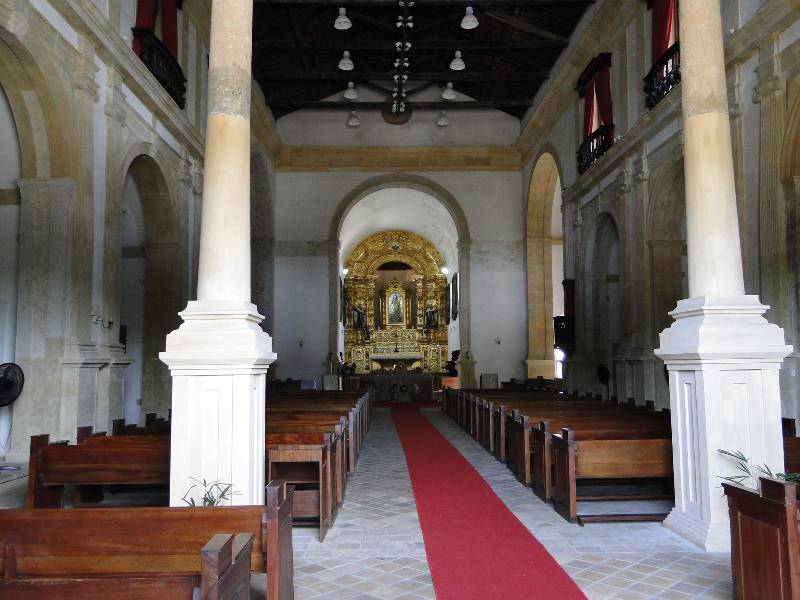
751	473
215	493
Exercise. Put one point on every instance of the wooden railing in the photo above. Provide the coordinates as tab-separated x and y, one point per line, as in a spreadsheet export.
665	75
164	67
594	146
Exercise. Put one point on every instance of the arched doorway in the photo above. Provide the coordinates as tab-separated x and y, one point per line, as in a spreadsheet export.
150	285
421	206
395	304
544	249
666	245
604	317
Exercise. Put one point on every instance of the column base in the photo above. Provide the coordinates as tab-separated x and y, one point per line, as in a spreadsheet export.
723	359
466	372
537	367
710	537
218	359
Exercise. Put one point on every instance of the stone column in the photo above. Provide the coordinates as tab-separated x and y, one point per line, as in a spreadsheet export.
45	233
466	361
219	356
722	355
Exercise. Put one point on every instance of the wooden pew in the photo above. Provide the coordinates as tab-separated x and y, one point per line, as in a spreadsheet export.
598	455
144	543
224	575
765	541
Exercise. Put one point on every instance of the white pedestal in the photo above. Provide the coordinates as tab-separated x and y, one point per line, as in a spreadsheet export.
218	359
723	359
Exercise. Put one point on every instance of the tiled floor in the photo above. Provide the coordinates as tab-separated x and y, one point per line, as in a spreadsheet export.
375	549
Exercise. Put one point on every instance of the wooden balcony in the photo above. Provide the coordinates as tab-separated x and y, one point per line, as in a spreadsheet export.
665	75
164	67
595	146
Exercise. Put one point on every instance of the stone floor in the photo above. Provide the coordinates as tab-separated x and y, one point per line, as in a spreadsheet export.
375	549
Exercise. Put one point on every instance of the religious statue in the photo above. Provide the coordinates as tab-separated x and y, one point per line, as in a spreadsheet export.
431	318
395	308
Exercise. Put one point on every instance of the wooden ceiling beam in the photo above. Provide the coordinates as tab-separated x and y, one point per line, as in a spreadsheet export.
523	25
358	105
486	77
387	45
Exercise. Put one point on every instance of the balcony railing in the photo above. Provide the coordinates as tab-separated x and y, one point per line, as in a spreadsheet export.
162	65
665	75
595	146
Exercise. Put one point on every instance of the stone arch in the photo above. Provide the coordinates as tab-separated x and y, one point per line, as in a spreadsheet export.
451	204
163	267
262	238
543	236
38	102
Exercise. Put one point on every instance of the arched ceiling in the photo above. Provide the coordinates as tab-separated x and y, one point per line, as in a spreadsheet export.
401	209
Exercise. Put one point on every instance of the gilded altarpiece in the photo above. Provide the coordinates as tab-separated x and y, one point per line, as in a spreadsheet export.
394	304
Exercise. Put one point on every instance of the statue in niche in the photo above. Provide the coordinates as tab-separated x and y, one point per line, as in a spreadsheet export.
431	318
395	309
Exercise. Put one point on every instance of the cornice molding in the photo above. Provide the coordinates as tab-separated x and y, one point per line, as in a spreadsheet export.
398	158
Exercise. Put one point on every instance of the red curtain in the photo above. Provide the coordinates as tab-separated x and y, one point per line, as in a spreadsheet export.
146	11
145	19
588	109
602	87
665	16
169	26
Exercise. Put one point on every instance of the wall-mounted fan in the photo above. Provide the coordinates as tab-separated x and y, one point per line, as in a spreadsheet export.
11	382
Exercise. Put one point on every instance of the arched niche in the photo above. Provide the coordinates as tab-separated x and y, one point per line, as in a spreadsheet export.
603	302
151	281
544	251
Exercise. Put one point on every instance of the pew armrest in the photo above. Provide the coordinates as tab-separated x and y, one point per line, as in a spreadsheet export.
277	538
225	570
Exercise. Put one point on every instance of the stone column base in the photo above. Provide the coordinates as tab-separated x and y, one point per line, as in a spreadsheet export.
537	367
466	372
723	359
218	359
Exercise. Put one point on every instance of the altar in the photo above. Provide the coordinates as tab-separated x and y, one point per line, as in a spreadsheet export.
403	387
390	360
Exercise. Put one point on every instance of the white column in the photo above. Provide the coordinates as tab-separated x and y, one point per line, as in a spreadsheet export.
219	356
722	355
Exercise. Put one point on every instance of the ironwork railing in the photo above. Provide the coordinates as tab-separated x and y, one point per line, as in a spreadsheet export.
594	146
164	67
665	75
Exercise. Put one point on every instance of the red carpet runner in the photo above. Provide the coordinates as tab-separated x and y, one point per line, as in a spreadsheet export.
477	549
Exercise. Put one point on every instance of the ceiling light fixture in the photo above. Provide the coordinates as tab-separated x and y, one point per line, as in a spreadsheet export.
346	64
470	21
353	121
442	121
445	270
350	93
457	64
343	22
449	93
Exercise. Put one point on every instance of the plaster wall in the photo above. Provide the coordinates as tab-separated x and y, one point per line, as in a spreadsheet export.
328	127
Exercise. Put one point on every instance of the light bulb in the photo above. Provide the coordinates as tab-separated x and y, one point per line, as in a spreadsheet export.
350	93
353	121
449	93
346	64
343	22
470	21
457	63
443	121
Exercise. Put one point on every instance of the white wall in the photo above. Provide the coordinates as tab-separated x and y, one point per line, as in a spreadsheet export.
132	280
328	127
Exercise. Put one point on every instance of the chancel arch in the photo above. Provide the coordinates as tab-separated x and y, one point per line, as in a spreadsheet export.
395	304
151	251
544	248
418	205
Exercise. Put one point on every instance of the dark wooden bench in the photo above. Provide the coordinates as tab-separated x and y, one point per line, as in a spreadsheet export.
65	547
765	541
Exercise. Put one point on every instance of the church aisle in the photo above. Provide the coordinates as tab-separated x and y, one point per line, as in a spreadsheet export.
609	561
477	549
375	550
